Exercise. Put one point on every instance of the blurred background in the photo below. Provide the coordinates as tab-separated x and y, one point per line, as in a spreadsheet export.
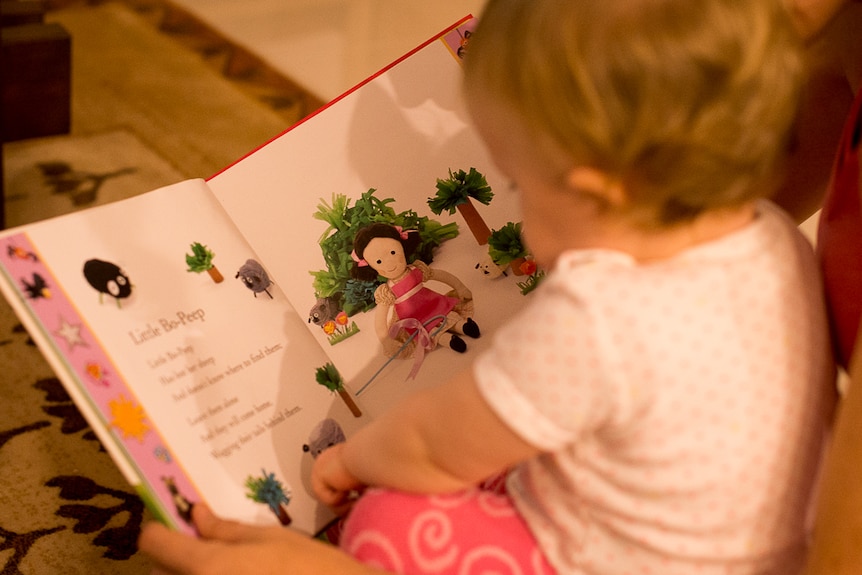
327	46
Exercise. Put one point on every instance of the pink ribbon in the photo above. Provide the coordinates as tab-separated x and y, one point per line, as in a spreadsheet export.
359	261
401	232
421	336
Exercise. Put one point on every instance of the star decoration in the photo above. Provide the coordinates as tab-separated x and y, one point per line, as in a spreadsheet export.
71	333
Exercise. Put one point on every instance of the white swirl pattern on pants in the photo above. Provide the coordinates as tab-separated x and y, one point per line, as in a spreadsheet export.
377	551
430	541
452	500
489	560
495	505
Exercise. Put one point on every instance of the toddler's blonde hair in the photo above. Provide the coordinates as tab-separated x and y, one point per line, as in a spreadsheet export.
688	102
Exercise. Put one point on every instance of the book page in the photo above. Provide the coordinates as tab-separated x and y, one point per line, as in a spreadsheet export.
398	133
207	381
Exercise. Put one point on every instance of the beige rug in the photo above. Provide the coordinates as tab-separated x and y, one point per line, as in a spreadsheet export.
157	97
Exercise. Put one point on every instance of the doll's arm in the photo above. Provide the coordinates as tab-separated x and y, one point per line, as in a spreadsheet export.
442	276
384	299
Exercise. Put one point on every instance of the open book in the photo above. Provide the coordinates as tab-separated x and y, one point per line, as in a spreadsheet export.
207	330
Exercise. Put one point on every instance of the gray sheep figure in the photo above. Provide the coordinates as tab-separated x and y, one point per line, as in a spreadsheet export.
254	277
324	435
324	310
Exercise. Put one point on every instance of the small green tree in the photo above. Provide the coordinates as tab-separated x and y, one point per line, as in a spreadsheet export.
456	193
201	260
328	377
267	489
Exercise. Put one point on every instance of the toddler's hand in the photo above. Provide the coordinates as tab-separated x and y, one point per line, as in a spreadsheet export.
332	483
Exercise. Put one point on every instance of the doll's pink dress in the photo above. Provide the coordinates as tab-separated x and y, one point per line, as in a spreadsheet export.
414	300
414	304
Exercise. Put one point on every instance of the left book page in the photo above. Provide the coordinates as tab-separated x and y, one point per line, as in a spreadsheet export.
201	387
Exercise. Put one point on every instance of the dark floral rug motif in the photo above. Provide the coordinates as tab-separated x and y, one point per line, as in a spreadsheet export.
64	507
82	187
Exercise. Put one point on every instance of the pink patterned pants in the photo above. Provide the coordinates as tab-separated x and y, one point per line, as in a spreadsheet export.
469	533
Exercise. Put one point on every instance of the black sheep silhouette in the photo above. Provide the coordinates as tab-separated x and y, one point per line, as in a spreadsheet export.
107	278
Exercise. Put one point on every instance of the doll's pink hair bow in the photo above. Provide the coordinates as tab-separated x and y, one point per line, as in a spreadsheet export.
401	232
359	261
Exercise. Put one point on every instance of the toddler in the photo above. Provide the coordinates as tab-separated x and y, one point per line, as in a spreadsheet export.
658	405
662	399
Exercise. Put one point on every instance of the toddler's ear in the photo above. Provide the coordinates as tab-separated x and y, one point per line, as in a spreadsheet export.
605	189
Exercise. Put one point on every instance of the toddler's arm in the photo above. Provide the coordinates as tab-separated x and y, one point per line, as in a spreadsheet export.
441	439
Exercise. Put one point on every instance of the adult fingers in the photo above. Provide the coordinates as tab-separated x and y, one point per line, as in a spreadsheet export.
213	528
172	552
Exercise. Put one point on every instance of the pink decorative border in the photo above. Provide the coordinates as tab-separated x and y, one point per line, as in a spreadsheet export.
95	373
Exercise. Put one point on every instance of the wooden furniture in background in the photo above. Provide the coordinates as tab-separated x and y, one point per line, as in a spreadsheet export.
35	76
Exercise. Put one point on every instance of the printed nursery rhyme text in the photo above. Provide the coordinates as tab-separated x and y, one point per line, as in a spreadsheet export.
223	420
260	419
161	326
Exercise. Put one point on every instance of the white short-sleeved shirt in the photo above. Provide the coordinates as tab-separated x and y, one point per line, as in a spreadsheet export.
681	405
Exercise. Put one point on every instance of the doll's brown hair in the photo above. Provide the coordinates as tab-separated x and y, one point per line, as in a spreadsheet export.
379	230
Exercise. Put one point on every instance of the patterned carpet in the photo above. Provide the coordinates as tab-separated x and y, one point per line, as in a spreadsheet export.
156	97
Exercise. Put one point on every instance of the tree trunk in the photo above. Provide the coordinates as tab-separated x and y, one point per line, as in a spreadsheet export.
215	275
354	409
283	517
475	222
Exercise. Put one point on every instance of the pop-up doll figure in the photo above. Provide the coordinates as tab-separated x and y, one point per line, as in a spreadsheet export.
410	314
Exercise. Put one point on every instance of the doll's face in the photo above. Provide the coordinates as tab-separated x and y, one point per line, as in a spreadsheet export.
386	256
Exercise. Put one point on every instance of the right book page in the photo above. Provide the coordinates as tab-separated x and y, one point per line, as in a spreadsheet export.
397	134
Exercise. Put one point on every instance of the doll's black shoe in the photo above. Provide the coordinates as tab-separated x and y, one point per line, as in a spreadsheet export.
457	344
471	328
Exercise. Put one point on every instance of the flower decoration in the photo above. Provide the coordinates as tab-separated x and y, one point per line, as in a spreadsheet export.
528	267
340	328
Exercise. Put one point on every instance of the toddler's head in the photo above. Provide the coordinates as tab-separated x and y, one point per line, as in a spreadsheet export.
687	103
